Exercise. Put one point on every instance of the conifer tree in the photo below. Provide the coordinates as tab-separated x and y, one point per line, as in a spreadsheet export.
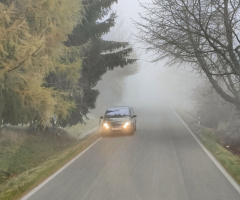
99	55
31	46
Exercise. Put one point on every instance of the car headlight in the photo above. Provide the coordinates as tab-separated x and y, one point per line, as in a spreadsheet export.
127	124
106	125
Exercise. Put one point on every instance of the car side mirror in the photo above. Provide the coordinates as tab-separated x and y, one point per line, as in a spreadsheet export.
101	117
134	116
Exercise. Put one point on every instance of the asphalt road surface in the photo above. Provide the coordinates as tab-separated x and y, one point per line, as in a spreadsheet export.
162	161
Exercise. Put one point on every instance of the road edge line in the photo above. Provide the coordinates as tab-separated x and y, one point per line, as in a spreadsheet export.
210	155
33	191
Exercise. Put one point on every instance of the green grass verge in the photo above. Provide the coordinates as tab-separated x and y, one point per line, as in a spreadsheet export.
228	160
18	185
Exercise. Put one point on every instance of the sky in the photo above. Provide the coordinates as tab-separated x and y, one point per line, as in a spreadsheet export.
154	83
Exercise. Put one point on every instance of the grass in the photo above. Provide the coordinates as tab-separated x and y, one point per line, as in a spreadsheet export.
28	159
228	160
22	151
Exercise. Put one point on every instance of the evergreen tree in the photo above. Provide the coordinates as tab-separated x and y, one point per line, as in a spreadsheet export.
99	55
31	46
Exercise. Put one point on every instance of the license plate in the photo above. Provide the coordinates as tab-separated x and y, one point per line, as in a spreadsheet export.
116	129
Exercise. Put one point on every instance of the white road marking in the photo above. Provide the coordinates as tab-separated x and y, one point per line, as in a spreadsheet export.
57	172
215	161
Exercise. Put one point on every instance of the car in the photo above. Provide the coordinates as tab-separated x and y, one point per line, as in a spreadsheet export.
118	119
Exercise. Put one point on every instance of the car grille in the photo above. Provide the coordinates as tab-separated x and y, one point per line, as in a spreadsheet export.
115	124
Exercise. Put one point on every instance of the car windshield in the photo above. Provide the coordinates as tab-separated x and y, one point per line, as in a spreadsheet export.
117	113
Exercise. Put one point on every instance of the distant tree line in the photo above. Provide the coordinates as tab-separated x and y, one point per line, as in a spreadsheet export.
51	56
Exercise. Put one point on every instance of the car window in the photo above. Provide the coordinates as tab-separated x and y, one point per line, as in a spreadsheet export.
117	112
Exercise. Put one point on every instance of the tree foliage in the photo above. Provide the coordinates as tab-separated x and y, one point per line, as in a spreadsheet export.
99	55
51	57
204	33
31	46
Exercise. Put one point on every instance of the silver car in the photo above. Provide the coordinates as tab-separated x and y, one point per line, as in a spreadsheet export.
120	119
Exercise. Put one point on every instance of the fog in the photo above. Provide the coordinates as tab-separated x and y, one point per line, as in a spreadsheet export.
155	84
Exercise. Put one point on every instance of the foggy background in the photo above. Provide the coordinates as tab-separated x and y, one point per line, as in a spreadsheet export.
143	83
149	85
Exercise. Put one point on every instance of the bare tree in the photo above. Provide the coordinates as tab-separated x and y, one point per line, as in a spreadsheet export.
204	33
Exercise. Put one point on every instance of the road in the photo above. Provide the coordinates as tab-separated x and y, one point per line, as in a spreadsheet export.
161	161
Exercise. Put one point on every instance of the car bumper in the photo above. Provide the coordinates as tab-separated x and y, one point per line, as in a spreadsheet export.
116	130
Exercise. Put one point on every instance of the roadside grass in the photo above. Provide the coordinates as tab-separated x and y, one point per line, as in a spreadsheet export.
21	151
28	158
17	186
228	160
